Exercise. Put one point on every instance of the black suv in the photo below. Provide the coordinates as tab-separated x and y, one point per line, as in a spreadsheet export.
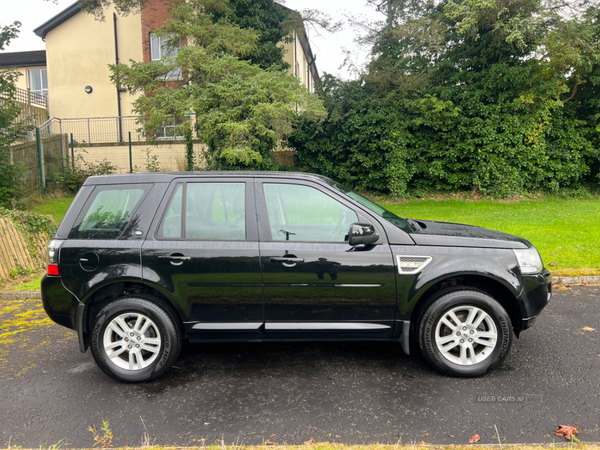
141	262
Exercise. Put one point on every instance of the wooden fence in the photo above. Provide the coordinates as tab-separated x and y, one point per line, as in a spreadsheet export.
18	251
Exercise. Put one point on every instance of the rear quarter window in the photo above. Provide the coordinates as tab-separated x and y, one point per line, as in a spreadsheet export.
109	211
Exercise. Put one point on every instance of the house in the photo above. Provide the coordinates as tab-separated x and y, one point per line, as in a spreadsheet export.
32	66
73	74
80	48
31	86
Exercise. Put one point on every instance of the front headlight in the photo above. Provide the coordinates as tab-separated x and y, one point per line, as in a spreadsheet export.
529	260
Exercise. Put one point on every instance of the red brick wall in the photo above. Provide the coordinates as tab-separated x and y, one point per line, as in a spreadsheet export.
154	15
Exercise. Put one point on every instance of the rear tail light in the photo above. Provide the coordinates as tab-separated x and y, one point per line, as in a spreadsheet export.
53	247
53	269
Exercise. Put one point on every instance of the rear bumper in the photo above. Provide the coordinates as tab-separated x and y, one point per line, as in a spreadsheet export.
63	308
537	293
59	304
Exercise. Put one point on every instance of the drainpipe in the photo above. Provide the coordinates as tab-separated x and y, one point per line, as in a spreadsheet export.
118	90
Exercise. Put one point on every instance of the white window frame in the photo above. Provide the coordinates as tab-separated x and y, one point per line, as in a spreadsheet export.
160	50
44	90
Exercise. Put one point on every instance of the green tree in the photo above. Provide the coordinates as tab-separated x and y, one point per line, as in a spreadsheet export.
268	20
242	110
11	129
465	95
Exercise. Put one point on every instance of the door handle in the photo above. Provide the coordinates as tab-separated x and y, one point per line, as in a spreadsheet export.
176	258
287	259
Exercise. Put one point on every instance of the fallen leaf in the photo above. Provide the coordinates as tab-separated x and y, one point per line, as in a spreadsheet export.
567	431
270	443
474	438
553	264
588	329
421	443
426	434
310	442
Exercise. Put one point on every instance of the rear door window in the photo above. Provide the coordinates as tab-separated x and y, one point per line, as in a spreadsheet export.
108	211
206	211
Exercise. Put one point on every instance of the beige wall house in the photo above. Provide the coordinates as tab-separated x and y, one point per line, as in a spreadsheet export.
32	66
80	48
32	84
73	74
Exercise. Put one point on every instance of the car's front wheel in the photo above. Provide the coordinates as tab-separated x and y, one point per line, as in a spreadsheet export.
465	333
134	339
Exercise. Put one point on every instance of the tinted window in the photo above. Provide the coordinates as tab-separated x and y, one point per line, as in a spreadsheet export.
171	226
108	211
302	213
213	211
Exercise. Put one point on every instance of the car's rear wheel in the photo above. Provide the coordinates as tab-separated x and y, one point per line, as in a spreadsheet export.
465	333
134	339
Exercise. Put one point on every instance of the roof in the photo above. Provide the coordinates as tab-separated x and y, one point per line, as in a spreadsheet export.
167	177
23	59
61	17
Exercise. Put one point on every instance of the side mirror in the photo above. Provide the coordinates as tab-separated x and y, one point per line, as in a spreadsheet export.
362	234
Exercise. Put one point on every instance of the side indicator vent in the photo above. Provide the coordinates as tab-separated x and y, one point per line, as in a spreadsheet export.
408	265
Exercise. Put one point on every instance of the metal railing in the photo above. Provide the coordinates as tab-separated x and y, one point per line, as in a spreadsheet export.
27	97
96	130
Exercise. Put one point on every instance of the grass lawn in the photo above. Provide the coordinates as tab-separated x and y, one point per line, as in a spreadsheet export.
566	232
56	208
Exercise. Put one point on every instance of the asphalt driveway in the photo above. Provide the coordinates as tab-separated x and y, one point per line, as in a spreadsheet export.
292	392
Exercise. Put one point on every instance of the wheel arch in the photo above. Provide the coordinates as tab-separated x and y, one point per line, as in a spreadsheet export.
105	294
506	296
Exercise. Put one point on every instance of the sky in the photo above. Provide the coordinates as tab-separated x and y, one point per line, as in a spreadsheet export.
328	48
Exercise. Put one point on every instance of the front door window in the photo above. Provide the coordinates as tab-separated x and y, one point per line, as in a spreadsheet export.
301	213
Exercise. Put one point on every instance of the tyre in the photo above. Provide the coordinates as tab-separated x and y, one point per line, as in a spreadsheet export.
134	339
464	333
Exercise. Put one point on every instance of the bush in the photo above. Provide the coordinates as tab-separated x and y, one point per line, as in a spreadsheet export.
74	176
500	133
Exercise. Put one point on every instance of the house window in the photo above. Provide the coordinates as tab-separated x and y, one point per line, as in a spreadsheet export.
38	81
171	129
162	49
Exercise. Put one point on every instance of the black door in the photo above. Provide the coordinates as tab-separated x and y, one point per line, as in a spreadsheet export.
104	243
315	284
204	256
